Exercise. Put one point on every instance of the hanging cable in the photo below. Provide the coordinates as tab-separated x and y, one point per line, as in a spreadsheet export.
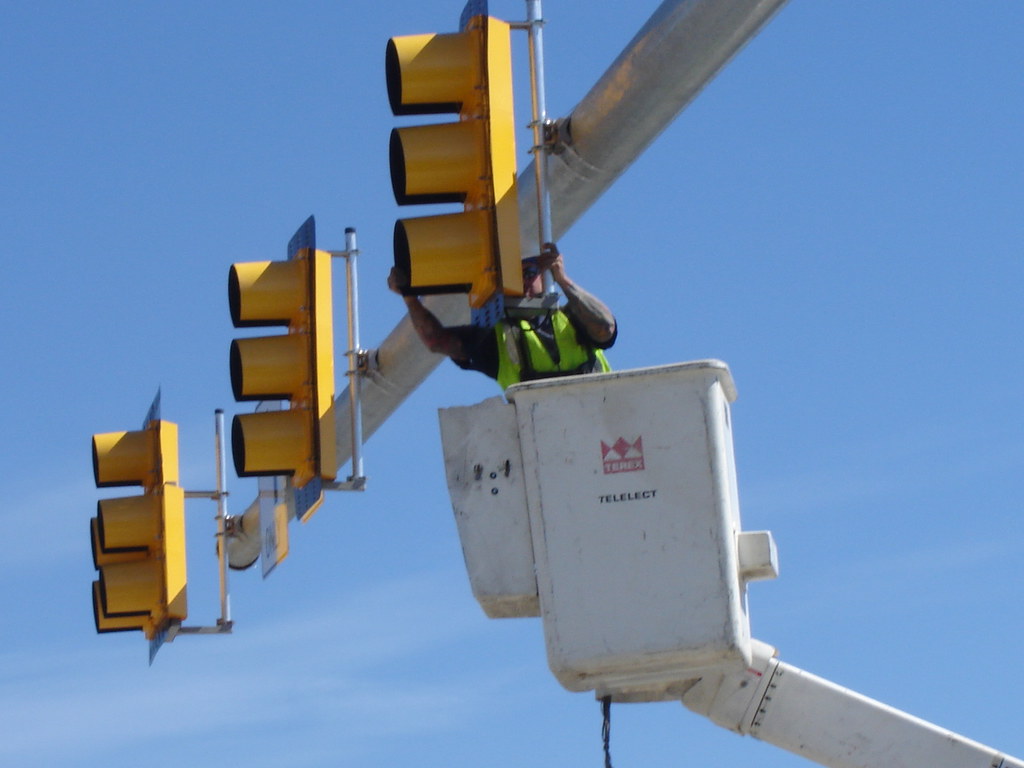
606	729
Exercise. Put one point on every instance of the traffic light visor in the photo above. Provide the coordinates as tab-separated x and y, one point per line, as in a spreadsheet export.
443	254
432	74
125	528
266	292
269	367
145	457
273	443
122	458
438	163
106	623
131	588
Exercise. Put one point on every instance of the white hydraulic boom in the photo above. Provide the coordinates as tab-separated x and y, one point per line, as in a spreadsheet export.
782	705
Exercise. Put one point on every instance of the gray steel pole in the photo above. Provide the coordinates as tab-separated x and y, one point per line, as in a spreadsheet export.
538	99
222	517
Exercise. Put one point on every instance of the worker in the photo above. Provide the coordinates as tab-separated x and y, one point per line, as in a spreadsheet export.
559	342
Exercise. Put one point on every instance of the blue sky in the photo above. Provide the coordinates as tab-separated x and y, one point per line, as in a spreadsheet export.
838	216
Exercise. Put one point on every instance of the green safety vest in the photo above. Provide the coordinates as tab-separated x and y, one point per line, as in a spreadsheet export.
518	343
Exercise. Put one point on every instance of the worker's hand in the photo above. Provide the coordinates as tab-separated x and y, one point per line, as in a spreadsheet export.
551	259
397	280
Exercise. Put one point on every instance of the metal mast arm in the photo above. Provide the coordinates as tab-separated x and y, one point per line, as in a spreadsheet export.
677	52
671	59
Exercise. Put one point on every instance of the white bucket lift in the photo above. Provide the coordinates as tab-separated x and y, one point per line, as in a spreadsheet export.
607	505
619	493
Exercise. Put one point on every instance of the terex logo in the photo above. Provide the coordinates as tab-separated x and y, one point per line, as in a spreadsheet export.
623	456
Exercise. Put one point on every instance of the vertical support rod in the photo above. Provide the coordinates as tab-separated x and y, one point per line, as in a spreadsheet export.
222	519
354	351
535	23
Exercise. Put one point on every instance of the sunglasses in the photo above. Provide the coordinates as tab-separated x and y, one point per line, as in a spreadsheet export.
530	269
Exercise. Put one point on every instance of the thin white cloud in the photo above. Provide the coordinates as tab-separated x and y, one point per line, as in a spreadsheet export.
335	669
895	465
49	525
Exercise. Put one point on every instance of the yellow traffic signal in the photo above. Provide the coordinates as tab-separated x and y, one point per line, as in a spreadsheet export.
297	366
138	542
471	161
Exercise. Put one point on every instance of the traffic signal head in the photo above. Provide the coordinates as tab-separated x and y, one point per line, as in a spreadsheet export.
138	542
297	366
147	457
471	161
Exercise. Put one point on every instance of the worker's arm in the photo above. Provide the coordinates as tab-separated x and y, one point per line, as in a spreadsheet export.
594	315
434	336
